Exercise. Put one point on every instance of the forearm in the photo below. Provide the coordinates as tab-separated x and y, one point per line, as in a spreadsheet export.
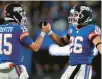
97	43
99	47
37	44
57	39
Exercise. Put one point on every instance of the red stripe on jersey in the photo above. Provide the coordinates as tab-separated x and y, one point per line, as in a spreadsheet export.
87	72
93	34
24	34
18	70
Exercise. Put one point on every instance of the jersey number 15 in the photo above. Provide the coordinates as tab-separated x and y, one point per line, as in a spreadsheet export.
4	42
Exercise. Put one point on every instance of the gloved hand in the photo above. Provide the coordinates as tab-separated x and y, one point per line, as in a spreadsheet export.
45	27
41	24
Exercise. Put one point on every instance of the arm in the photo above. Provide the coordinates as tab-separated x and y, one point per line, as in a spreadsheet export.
61	41
97	40
37	44
95	37
26	40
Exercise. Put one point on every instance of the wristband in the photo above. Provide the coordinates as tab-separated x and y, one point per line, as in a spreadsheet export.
50	32
43	34
98	44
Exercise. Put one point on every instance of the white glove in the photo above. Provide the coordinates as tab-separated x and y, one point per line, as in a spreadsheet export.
24	74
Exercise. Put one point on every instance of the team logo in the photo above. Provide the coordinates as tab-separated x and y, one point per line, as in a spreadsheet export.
70	31
97	29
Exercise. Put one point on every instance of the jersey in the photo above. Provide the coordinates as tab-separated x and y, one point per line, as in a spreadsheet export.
81	46
12	39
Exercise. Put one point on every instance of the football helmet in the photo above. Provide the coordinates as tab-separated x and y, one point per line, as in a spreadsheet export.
15	13
80	14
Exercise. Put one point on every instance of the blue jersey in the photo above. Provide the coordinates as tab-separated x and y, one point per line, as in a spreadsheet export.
81	46
12	39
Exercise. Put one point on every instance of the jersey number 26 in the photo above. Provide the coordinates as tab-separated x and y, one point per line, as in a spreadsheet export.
75	46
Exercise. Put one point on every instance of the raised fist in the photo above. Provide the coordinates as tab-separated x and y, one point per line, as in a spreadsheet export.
45	27
41	23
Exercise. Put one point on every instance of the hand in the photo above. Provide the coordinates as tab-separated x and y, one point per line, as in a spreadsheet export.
46	28
40	24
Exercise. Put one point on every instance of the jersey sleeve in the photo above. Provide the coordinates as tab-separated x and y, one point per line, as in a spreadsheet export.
23	32
24	36
95	31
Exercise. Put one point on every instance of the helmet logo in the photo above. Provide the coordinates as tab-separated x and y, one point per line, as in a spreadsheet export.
17	9
85	8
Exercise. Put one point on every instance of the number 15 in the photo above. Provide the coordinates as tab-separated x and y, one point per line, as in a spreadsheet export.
5	43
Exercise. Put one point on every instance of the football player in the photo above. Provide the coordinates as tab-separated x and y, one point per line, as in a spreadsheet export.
13	36
83	37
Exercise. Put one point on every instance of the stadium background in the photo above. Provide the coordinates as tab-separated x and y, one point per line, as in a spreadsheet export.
43	65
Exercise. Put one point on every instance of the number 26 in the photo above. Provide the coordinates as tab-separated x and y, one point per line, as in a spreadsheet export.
75	46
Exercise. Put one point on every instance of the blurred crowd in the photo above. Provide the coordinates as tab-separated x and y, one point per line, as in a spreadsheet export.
56	13
53	71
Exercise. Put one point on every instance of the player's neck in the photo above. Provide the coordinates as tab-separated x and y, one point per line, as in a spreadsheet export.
82	25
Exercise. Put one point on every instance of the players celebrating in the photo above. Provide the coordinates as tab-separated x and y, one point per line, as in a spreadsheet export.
83	37
13	36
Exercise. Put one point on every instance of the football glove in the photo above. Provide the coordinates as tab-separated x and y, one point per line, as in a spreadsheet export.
40	24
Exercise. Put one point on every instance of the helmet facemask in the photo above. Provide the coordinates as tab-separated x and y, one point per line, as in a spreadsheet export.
73	18
22	14
24	18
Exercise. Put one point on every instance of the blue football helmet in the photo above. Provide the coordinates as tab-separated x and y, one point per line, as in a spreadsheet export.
80	14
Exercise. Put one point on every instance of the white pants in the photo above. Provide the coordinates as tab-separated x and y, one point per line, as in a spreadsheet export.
13	73
78	72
